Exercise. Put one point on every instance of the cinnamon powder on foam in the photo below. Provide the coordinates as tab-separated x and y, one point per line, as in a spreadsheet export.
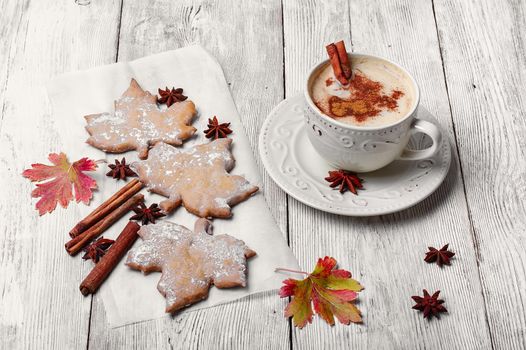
367	99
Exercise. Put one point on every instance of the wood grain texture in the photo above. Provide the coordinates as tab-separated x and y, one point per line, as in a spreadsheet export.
386	252
483	47
253	67
13	18
480	102
40	305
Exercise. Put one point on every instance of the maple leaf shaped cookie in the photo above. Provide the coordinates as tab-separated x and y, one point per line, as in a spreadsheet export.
190	262
197	177
138	123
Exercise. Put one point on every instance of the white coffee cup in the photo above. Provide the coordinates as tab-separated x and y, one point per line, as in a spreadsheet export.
368	148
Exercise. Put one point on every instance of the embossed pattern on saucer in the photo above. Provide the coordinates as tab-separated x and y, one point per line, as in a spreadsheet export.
295	166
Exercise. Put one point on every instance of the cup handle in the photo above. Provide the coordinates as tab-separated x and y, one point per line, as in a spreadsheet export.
429	129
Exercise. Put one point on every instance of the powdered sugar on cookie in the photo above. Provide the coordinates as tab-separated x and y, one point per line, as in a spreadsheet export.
137	123
190	262
196	177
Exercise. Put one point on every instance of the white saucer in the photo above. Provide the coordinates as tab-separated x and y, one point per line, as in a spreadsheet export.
297	168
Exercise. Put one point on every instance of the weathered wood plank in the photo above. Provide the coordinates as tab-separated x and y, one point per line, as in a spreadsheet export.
40	305
247	41
12	17
386	253
483	47
41	39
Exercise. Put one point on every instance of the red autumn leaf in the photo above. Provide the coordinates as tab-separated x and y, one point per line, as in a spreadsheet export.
331	292
63	175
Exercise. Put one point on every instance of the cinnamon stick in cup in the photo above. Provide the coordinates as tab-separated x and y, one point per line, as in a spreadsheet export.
344	59
109	261
339	62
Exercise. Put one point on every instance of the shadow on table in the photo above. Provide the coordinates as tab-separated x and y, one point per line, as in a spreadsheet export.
440	196
435	202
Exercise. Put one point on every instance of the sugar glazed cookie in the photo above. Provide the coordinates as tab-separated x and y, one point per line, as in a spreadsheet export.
138	123
190	262
197	177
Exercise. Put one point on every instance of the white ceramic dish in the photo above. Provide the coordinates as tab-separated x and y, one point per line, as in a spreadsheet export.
299	170
368	148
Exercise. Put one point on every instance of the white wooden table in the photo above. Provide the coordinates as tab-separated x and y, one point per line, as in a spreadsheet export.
469	60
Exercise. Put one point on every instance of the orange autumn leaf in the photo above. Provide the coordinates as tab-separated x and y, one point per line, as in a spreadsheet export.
329	290
63	175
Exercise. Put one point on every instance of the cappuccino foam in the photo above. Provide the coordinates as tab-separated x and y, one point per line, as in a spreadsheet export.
379	93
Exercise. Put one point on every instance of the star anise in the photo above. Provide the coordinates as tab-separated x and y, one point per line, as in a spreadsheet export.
147	215
97	249
429	304
171	96
442	256
346	180
217	130
120	170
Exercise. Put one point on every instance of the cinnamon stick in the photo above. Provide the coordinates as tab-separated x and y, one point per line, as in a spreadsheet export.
344	59
77	243
109	261
334	58
108	206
